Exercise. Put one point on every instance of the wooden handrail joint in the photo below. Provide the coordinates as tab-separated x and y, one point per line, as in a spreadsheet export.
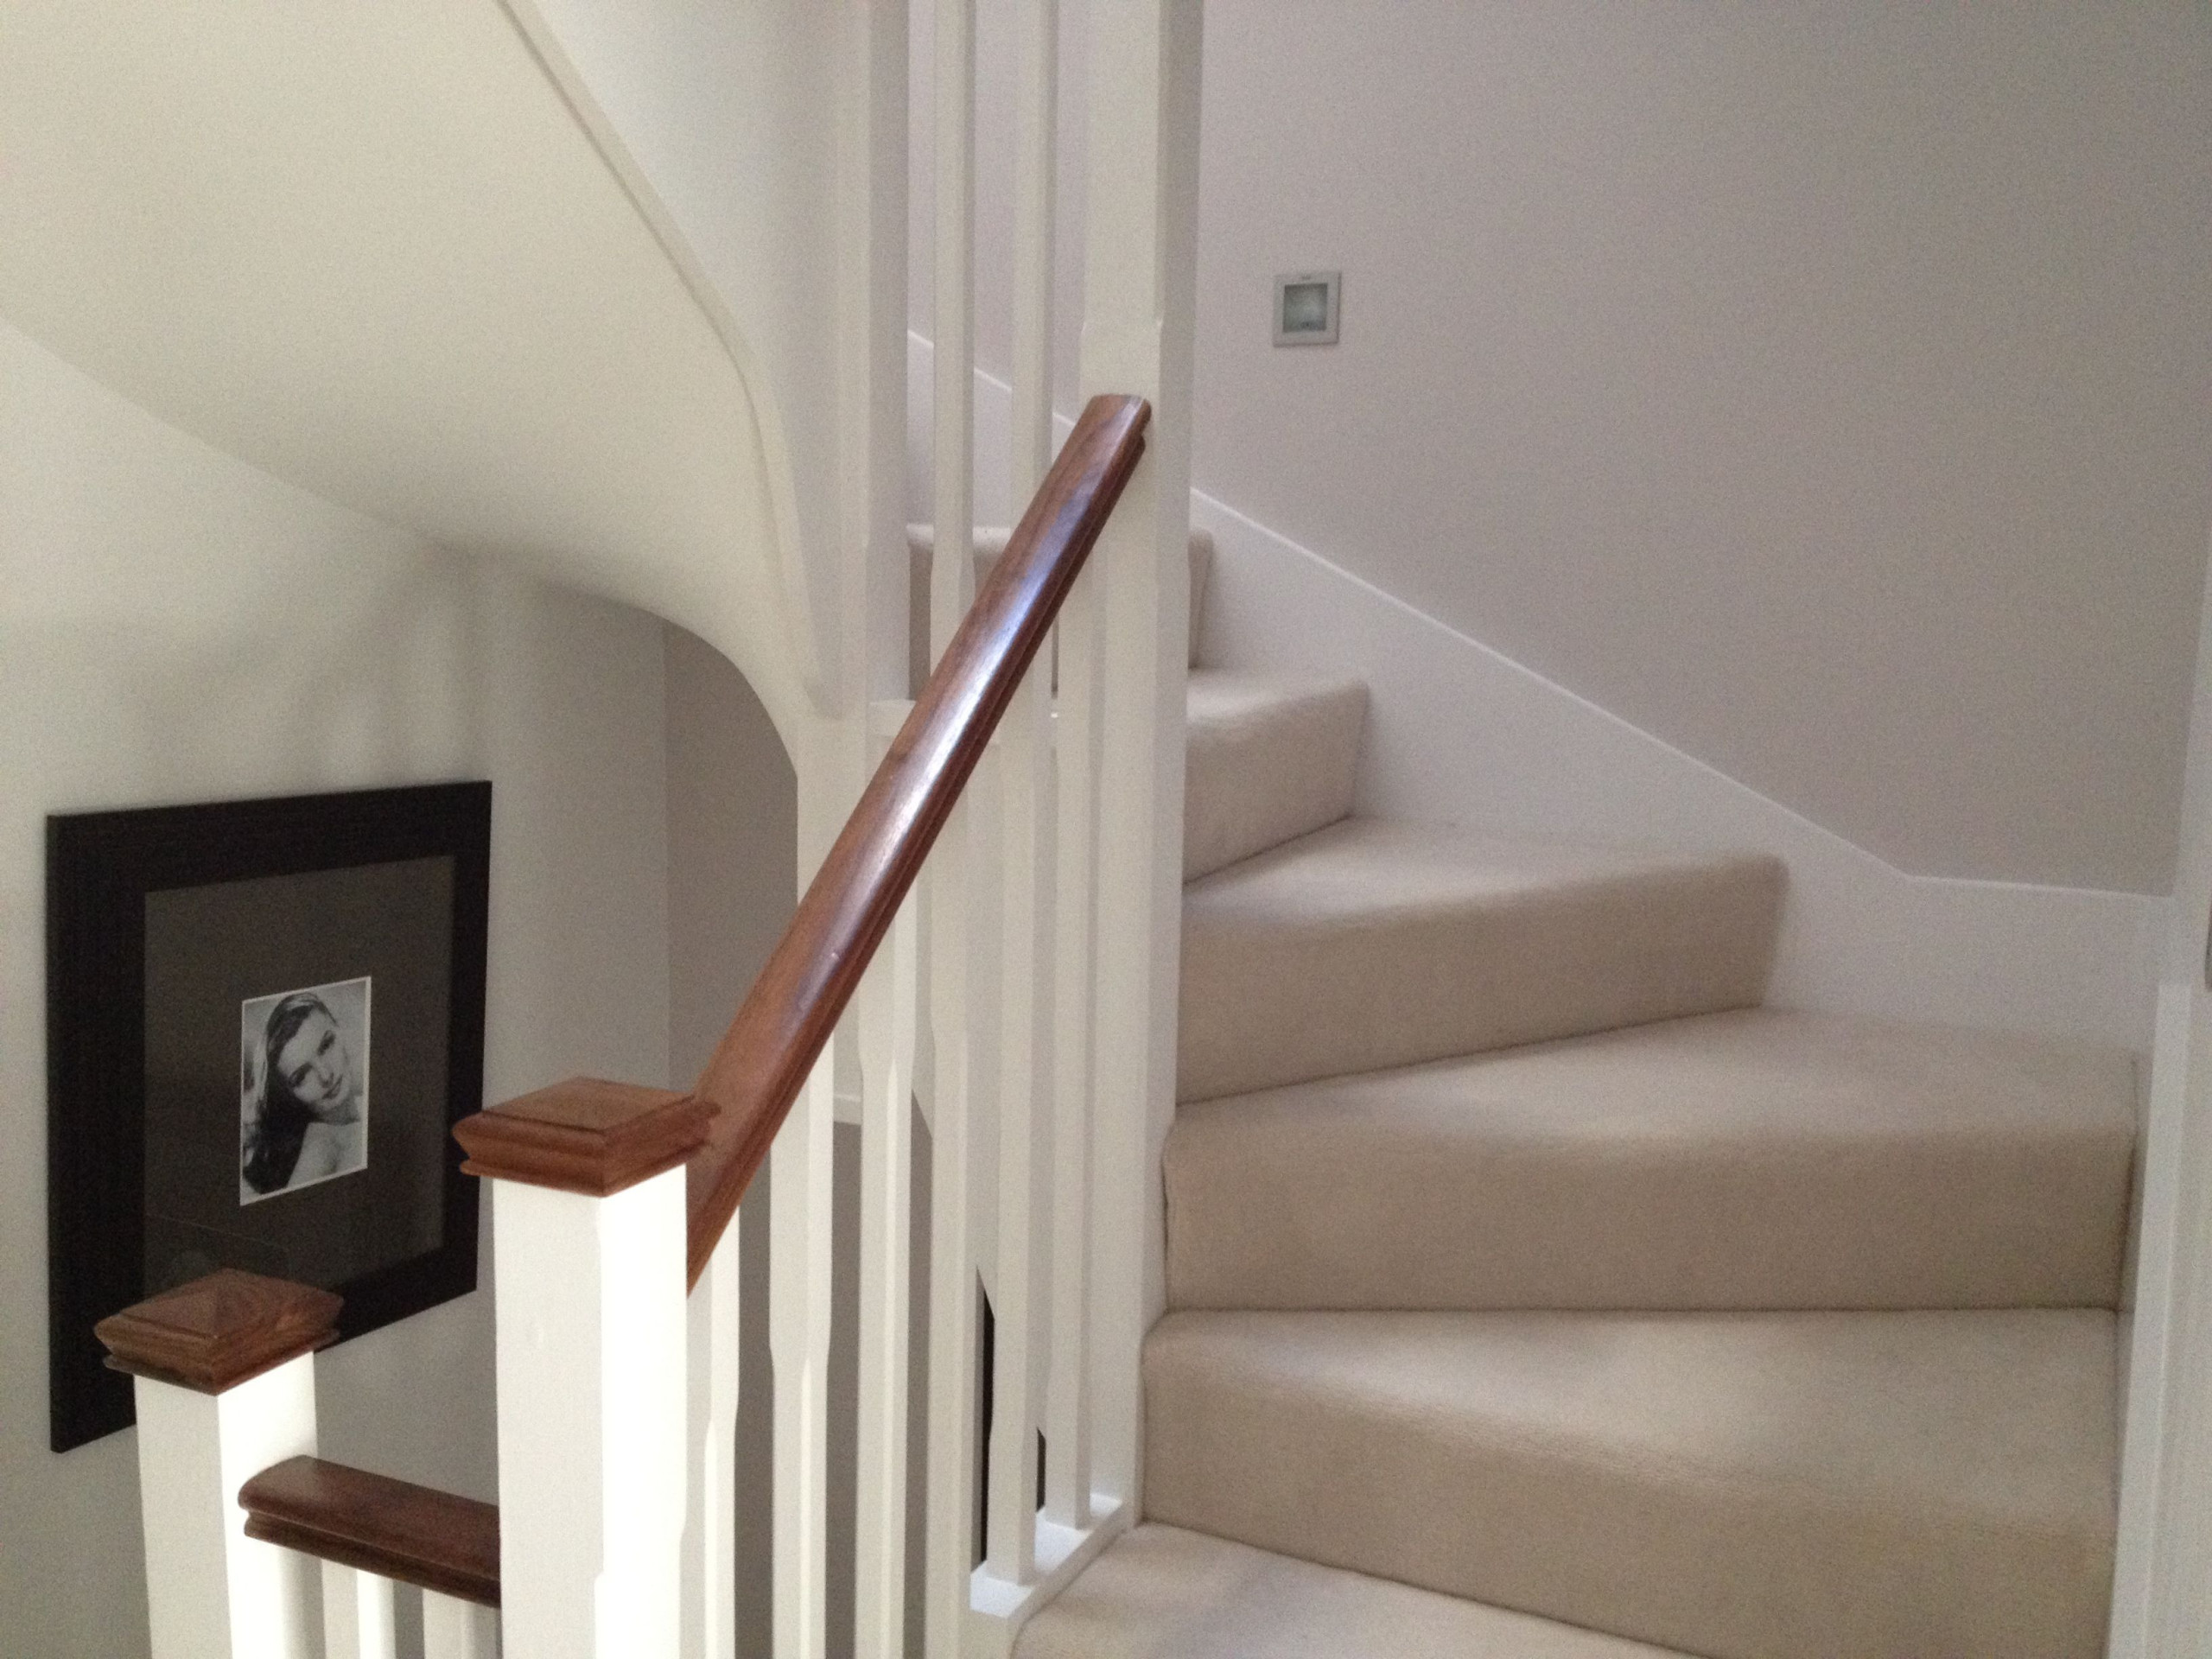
394	1529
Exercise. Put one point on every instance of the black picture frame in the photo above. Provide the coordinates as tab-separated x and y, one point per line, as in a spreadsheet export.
156	920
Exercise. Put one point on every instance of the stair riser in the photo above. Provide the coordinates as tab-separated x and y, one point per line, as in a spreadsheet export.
1265	1003
1255	782
1406	1222
1677	1555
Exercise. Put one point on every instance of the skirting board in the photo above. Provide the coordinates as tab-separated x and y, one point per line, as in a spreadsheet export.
1522	755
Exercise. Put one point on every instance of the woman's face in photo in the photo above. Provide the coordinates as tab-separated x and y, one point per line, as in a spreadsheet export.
315	1066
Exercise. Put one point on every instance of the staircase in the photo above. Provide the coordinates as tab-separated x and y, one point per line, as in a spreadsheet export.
1533	1291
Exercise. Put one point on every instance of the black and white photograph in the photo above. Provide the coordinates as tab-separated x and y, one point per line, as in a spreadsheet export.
303	1091
265	1018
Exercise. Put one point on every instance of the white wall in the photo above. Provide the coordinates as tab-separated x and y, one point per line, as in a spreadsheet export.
177	626
1825	389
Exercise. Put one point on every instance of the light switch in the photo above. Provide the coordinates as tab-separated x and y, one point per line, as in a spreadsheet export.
1305	308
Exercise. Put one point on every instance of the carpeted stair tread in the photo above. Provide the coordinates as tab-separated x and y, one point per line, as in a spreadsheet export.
1375	943
1160	1593
1750	1160
1747	1486
990	544
1268	761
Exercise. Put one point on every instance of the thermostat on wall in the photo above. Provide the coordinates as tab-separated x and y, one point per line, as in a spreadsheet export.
1305	308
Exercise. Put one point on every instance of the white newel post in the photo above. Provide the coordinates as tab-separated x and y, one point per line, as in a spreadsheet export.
589	1219
225	1388
1139	311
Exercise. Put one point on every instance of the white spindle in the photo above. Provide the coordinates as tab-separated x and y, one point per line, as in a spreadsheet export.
710	1523
801	1213
953	576
959	1065
1026	1078
1035	130
1138	295
953	1331
452	1628
1075	979
889	1012
359	1614
211	1589
591	1418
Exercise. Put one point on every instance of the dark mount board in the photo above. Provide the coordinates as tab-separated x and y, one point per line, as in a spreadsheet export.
390	885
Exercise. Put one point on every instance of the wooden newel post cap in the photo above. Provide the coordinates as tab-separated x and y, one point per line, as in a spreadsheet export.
216	1332
585	1136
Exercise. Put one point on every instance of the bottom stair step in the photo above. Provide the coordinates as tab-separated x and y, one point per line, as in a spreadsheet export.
1741	1485
1161	1592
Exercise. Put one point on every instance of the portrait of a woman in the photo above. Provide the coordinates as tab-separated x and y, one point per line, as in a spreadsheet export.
303	1107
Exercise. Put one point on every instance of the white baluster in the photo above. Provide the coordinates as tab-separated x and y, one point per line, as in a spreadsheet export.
953	1332
225	1388
889	1014
592	1379
952	578
1035	133
452	1628
801	1212
958	1065
1024	1119
710	1524
1139	291
1074	978
359	1614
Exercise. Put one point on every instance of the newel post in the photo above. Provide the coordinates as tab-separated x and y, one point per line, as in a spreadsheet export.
225	1387
589	1217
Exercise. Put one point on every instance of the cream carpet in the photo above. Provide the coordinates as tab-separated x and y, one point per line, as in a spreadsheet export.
1160	1593
1815	1485
1375	943
1533	1281
1754	1160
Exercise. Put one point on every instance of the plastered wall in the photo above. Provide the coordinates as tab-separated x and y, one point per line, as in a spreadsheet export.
177	626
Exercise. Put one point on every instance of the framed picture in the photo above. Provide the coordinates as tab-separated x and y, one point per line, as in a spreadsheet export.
263	1018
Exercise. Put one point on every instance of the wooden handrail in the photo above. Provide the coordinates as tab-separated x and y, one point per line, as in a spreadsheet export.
794	1004
392	1527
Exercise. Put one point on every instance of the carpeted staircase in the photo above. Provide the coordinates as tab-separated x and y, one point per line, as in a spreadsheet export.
1535	1294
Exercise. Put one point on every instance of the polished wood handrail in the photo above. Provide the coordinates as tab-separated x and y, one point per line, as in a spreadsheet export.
794	1004
416	1534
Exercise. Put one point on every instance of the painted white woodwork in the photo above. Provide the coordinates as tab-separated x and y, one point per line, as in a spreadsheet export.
1036	130
872	276
359	1614
1142	202
952	1333
710	1458
211	1589
890	1008
1075	979
801	1213
452	1628
593	1418
952	579
998	1608
372	250
2161	1609
1022	1230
